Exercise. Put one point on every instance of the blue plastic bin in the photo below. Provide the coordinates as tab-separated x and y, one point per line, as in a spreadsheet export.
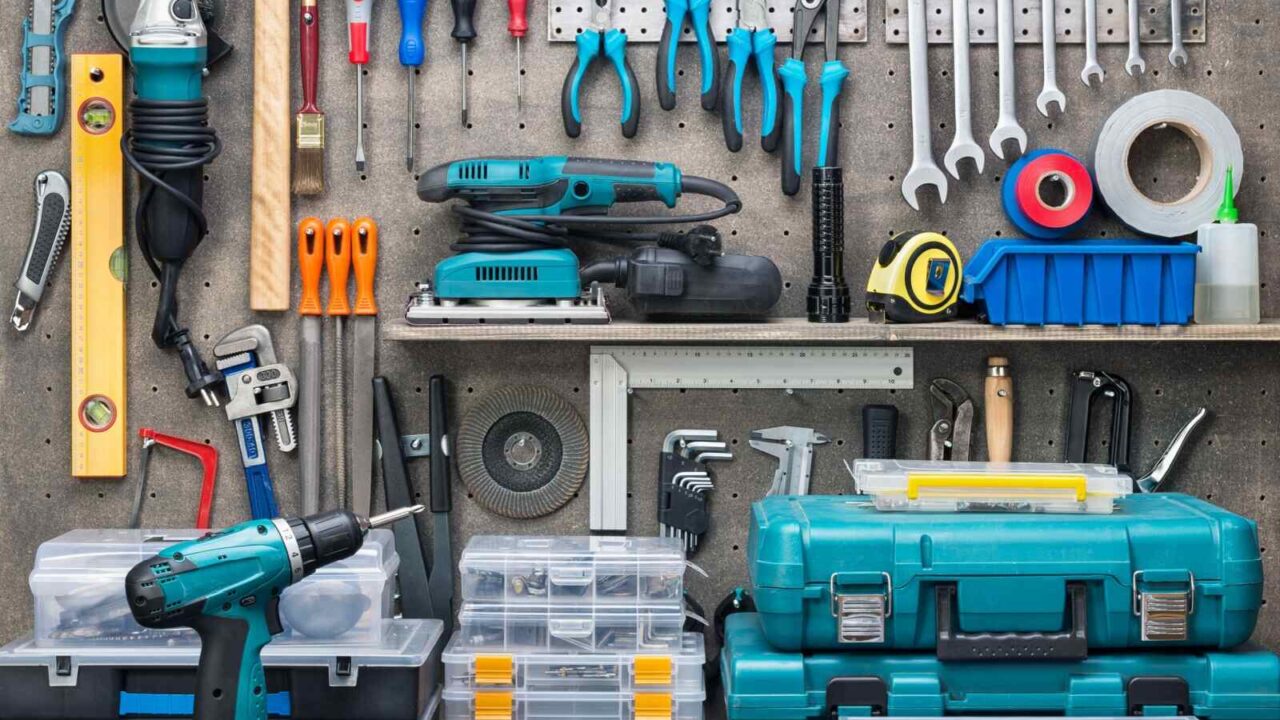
1086	282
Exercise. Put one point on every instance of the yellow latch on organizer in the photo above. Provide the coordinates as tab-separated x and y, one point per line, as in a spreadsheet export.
494	705
98	268
495	669
916	482
653	669
653	706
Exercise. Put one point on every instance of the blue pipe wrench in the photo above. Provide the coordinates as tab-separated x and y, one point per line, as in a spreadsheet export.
794	80
751	39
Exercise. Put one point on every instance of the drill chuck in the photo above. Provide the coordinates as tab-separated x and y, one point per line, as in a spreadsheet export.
828	299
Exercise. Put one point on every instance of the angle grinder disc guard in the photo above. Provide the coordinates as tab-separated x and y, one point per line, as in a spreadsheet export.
119	16
522	452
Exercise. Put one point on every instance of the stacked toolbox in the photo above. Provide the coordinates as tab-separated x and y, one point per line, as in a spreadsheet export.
573	627
925	614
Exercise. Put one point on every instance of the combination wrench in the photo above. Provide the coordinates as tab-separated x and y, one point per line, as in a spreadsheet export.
1007	128
1049	40
1135	65
1092	68
962	145
924	171
1178	55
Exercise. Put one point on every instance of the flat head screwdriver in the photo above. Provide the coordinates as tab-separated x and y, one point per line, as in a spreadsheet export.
464	31
517	26
359	14
413	52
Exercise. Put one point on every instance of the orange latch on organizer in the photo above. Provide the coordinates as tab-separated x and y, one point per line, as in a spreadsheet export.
653	706
495	670
494	705
653	669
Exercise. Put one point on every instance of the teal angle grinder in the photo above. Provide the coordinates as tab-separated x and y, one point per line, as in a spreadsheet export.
227	586
515	262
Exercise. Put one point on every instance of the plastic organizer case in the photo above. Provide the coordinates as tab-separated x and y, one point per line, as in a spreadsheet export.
395	678
656	627
945	486
471	705
572	571
677	671
78	584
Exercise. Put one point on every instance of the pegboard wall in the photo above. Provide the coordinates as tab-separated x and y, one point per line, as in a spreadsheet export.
1232	461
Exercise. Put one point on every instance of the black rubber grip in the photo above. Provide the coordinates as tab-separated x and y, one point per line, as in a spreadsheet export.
828	297
1070	644
879	432
730	113
632	122
832	157
711	98
666	95
572	127
222	654
464	28
769	143
441	497
790	177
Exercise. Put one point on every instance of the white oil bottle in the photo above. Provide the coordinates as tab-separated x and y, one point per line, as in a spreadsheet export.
1227	267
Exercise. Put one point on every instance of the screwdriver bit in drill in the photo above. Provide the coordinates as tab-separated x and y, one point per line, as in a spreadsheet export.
358	21
412	55
517	26
464	31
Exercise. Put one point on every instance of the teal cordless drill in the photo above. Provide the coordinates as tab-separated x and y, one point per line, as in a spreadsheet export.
227	585
168	143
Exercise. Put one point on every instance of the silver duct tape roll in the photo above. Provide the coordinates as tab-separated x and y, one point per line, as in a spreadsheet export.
1208	128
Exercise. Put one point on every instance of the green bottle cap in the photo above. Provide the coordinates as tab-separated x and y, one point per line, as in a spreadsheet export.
1227	213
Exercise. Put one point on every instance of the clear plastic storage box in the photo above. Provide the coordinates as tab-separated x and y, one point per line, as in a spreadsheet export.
679	671
945	486
556	628
78	584
573	571
472	705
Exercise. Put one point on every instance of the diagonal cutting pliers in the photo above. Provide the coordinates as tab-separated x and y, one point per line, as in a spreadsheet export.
794	80
751	38
699	14
600	38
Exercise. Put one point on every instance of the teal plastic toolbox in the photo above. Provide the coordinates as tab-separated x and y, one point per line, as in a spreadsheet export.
763	683
1162	571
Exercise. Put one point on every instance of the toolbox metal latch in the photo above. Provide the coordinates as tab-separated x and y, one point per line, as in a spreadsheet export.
1164	613
860	617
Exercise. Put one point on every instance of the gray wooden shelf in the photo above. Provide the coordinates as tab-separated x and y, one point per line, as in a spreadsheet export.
798	330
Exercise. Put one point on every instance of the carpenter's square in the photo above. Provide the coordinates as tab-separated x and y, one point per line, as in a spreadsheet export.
53	222
364	253
257	385
40	100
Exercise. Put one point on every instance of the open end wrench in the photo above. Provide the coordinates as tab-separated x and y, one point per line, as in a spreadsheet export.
962	145
1050	95
1007	128
924	171
1092	68
1135	65
1178	55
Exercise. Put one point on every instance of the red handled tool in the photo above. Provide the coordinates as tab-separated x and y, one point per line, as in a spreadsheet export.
517	26
359	14
206	454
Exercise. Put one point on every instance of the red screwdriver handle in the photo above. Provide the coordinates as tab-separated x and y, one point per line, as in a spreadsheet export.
309	53
358	15
518	24
208	457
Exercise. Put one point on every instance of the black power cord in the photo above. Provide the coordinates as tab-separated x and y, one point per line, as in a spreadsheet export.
167	144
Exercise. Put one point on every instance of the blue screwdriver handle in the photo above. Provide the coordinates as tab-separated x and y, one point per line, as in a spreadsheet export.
413	48
832	81
793	82
699	12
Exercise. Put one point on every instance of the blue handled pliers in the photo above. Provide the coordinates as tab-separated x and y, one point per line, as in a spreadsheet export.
751	38
793	82
600	37
699	14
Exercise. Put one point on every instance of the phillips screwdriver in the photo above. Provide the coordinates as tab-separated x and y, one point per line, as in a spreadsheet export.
412	54
464	31
358	17
517	26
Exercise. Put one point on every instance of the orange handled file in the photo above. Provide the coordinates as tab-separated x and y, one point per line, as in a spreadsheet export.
337	260
365	258
311	262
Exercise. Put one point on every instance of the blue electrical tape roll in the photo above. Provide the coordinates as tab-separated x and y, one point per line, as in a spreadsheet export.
1027	209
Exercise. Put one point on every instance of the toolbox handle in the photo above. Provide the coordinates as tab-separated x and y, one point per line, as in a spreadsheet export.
1071	482
1070	644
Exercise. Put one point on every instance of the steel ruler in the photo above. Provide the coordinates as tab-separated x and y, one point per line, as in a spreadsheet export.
99	439
617	371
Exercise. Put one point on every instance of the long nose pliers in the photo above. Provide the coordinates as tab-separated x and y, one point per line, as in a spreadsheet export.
794	80
751	38
699	14
600	37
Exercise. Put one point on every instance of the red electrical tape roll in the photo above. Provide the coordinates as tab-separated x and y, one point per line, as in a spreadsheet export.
1079	190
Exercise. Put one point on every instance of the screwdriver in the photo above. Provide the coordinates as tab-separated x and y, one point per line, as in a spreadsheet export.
358	16
464	31
412	54
517	26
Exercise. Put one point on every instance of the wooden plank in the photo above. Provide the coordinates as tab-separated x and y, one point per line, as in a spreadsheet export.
800	330
270	239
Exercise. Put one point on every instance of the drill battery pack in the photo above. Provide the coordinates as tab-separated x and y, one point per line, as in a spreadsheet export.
764	683
396	679
1163	571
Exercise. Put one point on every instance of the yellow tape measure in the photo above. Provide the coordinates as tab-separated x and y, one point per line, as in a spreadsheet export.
99	439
